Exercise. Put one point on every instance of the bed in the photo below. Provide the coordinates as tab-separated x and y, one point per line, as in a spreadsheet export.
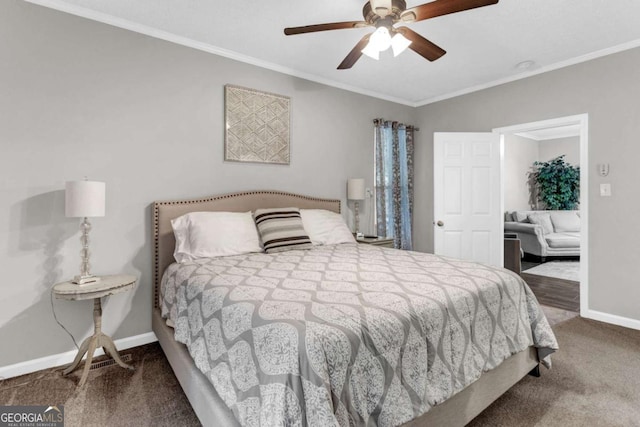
210	406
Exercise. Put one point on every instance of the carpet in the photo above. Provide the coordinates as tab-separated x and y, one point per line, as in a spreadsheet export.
568	270
593	382
112	396
557	315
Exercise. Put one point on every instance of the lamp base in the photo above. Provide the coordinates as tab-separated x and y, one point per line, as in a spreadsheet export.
85	280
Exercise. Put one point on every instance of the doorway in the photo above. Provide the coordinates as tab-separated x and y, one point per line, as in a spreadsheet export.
577	125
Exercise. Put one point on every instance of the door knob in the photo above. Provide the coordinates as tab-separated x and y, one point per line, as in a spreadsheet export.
440	224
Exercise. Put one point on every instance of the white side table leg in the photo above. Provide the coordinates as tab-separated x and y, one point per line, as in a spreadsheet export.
98	339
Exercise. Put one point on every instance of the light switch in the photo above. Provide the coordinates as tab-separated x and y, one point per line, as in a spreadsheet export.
605	190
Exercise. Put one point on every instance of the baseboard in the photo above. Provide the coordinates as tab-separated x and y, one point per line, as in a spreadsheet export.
612	318
46	362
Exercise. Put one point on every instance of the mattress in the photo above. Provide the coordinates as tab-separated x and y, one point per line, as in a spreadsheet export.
347	334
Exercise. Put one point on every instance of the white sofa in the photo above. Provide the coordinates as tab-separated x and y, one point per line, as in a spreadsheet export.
546	233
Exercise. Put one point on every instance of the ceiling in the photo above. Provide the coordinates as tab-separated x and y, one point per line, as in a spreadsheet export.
483	45
545	134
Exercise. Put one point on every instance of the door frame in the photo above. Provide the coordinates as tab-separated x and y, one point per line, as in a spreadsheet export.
583	121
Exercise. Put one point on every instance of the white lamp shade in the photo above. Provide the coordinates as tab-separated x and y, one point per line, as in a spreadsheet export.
355	189
371	52
84	199
380	39
399	44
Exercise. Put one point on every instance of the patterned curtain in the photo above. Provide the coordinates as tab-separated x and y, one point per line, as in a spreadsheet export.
394	181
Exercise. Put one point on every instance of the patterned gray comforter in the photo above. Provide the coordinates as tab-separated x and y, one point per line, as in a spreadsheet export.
347	334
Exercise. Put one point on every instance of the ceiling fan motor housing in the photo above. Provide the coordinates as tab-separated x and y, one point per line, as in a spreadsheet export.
370	15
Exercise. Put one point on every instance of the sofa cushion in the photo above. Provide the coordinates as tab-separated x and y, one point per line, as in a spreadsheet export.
543	220
520	216
565	221
563	240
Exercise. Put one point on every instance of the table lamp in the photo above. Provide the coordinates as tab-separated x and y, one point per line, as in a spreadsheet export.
355	192
84	199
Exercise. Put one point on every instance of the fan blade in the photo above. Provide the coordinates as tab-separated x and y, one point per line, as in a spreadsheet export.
420	45
441	7
324	27
355	54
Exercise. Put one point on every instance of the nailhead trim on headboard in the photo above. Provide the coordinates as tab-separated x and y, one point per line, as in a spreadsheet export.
156	229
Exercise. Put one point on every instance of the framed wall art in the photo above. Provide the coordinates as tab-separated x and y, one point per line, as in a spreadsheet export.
256	126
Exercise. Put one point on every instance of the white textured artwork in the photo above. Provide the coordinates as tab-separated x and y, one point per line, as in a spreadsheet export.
257	126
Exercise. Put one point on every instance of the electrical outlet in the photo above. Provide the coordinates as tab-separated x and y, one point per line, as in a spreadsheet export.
368	192
605	190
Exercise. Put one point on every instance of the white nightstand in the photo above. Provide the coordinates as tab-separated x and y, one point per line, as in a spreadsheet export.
386	242
108	285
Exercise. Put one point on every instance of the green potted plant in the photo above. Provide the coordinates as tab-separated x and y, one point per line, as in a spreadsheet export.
556	184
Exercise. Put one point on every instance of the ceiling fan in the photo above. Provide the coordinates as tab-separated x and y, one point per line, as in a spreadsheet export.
383	15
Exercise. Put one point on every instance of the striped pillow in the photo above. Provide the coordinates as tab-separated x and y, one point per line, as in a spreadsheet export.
281	229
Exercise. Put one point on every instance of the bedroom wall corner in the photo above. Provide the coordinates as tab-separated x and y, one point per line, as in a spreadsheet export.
146	117
614	126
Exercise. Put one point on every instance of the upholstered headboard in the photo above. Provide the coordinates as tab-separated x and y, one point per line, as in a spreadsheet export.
164	212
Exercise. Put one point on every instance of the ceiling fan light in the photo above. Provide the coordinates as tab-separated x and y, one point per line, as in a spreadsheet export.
399	44
408	16
371	51
380	39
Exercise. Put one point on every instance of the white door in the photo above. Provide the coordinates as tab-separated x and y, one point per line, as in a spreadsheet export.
467	197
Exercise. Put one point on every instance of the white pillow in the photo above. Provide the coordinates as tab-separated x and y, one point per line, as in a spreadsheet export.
181	233
543	220
325	227
214	234
565	221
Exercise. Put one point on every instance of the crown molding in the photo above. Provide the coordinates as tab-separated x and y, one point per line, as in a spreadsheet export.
104	18
562	64
114	21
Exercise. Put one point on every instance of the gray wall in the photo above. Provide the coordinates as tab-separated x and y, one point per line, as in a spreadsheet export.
552	148
145	116
608	90
519	155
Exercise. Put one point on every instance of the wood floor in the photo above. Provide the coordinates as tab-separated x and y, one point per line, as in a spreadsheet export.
559	293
